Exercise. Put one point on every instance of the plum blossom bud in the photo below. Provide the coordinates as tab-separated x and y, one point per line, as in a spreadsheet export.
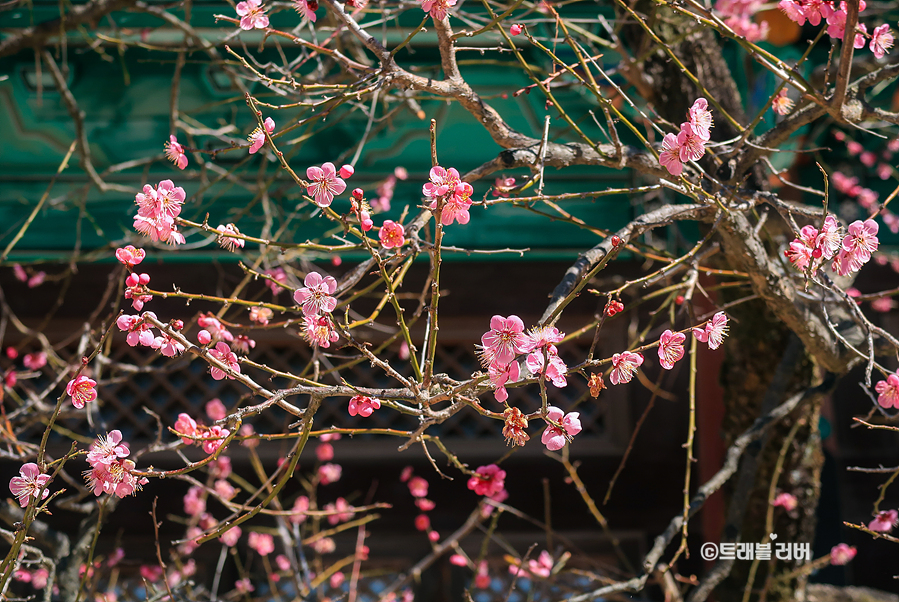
614	308
204	337
12	353
346	171
357	194
177	324
616	240
515	29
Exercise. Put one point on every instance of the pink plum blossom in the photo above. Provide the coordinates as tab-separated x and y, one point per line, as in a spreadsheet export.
888	392
836	28
185	425
263	543
252	15
194	502
222	352
842	554
625	366
215	409
107	450
114	479
669	158
306	8
316	297
701	118
244	586
487	480
787	501
257	137
214	438
881	40
324	452
542	566
175	153
157	209
868	159
129	256
230	537
37	279
884	521
215	328
883	304
504	340
300	507
437	8
691	142
29	483
324	184
81	390
227	237
418	487
802	248
457	205
341	511
261	315
442	182
139	331
815	10
317	330
793	10
782	104
555	437
392	235
858	244
361	405
500	374
35	361
714	331
543	336
502	186
828	240
671	348
329	473
167	345
282	562
555	368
